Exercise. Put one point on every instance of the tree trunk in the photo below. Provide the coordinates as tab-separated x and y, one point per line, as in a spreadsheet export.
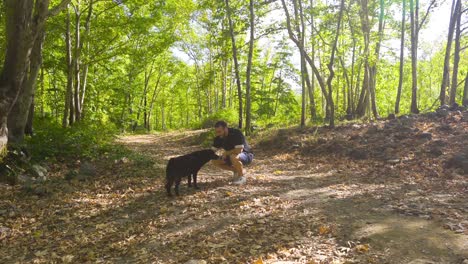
402	59
364	95
28	129
373	69
142	104
278	89
25	22
20	37
300	31
307	57
224	90
448	49
236	63
465	92
311	84
330	102
42	93
85	66
363	104
456	56
248	121
18	116
153	99
76	64
414	11
68	116
231	80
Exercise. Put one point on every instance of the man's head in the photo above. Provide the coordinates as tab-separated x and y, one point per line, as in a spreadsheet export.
221	129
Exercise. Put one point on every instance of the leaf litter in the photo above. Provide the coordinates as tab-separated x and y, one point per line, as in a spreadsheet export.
322	202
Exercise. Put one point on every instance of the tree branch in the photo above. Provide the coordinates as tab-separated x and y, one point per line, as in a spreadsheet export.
57	9
431	5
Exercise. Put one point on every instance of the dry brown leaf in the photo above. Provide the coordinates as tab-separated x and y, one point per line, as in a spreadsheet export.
259	261
323	230
362	248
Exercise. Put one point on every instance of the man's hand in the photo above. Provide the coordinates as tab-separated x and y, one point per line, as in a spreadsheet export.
236	151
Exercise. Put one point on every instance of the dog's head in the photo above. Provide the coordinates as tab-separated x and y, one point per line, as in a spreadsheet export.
209	153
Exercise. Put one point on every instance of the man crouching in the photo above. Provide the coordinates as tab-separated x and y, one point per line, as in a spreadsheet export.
237	152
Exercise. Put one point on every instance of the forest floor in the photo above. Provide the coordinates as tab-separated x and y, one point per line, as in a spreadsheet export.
387	192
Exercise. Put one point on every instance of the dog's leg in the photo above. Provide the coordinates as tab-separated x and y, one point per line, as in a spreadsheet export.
195	180
190	180
168	186
177	183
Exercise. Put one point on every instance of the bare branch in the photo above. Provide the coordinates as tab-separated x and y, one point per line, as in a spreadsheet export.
431	5
267	2
57	9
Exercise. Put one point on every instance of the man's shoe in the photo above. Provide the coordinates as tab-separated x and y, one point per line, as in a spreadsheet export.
240	181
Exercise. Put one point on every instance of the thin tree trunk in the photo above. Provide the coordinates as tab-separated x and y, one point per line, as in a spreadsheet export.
142	103
456	56
278	89
224	90
248	121
330	102
42	93
300	31
414	11
402	58
153	98
231	84
373	70
68	116
76	64
210	76
311	86
307	57
465	92
85	66
347	89
446	71
350	110
236	64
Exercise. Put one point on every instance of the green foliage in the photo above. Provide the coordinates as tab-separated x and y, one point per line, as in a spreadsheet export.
230	116
87	140
171	62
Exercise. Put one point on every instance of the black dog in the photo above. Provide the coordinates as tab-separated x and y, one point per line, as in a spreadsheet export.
187	165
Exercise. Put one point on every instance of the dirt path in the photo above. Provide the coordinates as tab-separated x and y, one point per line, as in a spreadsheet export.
296	209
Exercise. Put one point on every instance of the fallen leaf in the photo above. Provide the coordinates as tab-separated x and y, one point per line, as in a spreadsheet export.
362	248
67	258
163	210
323	230
40	253
37	234
259	261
